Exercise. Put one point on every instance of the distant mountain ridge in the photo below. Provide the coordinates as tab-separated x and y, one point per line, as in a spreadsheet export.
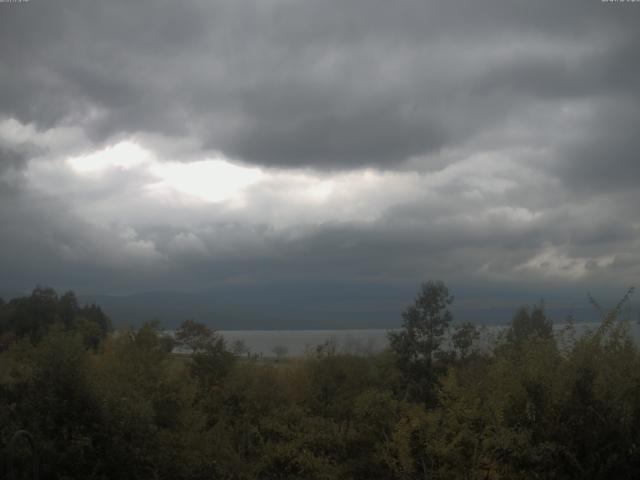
309	307
250	311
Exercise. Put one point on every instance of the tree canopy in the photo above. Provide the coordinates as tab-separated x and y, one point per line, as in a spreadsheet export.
533	403
416	345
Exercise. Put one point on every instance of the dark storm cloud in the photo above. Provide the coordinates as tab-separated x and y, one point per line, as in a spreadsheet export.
603	152
322	84
549	90
348	138
10	158
10	162
13	160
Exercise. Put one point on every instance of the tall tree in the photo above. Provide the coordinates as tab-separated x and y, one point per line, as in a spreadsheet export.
463	339
425	323
194	335
526	324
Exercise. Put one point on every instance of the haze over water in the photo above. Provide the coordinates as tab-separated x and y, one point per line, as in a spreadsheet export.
356	341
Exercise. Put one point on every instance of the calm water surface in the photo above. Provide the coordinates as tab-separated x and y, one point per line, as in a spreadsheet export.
298	342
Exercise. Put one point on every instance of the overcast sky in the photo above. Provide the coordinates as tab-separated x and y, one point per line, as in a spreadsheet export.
182	145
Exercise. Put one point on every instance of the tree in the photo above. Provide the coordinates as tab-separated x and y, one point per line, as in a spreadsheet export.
239	348
95	314
463	338
525	325
68	308
33	316
194	335
424	324
280	351
212	363
53	399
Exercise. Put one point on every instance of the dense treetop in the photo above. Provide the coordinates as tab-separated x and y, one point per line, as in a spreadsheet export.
443	401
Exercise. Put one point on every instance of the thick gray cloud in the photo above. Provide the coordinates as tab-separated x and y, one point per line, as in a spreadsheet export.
470	140
322	84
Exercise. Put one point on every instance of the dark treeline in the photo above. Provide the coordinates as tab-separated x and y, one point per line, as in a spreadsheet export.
438	403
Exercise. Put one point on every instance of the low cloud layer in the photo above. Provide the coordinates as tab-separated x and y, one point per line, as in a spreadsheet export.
185	145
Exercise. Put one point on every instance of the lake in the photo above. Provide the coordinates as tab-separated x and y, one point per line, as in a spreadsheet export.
359	341
297	342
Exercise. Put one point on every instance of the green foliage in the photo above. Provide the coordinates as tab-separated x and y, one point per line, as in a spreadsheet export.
526	324
416	346
463	340
32	317
49	393
194	335
532	406
212	363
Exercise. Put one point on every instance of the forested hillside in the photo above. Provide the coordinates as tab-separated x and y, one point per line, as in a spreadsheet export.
438	403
